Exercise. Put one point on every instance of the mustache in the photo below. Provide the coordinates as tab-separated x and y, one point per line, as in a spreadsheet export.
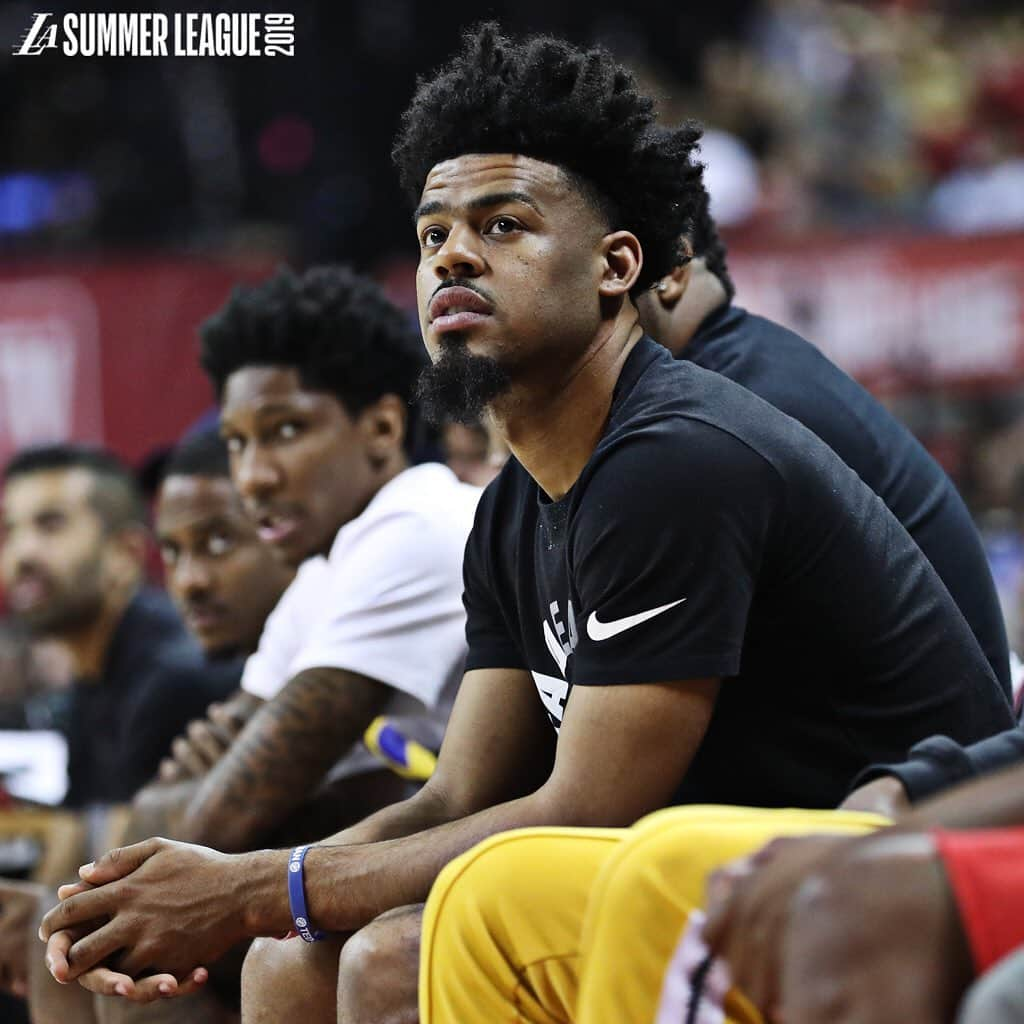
31	570
462	282
194	606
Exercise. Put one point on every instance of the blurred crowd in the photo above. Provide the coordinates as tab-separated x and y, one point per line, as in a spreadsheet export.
821	114
859	115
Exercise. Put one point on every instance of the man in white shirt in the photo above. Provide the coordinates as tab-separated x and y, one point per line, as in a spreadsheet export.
314	375
385	603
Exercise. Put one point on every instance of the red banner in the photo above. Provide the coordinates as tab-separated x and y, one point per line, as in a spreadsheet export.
106	352
899	314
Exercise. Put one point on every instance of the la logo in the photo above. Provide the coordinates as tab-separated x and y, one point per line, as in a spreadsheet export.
38	38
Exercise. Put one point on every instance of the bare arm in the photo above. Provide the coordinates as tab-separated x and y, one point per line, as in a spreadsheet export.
996	801
621	753
280	756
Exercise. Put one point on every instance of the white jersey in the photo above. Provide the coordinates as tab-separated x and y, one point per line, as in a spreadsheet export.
385	603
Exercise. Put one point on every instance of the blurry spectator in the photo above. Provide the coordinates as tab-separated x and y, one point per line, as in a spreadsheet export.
858	113
73	546
224	580
74	541
15	662
470	452
730	176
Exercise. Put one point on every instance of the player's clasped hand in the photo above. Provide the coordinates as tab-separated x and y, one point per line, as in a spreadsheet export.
159	905
107	982
204	744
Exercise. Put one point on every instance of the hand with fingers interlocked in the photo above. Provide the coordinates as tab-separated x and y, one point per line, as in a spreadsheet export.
145	920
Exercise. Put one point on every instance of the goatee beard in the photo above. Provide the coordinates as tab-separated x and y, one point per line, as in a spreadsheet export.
460	385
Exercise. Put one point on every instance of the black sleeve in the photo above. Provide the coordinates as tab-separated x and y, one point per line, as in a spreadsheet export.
665	552
169	698
488	635
939	763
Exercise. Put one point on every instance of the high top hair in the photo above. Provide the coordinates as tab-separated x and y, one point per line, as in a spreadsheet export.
115	495
334	327
578	109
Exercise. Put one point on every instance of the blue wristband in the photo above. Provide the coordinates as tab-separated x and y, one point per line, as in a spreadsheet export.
297	896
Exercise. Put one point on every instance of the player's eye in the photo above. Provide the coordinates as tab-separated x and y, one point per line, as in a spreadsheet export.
218	544
169	554
503	225
234	443
433	236
287	431
51	522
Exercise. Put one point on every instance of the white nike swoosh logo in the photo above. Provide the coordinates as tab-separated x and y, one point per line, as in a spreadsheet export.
598	630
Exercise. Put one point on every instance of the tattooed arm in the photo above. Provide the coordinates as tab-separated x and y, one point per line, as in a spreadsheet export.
280	756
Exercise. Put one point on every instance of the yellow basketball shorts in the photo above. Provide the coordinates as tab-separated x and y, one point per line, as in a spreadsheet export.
556	925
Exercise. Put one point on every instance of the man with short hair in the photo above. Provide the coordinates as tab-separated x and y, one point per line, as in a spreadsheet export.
72	565
674	592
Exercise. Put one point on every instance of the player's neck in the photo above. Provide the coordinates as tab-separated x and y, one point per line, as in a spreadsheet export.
552	426
704	294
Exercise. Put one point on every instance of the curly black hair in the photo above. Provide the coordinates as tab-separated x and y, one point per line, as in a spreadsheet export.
579	109
707	245
333	326
115	494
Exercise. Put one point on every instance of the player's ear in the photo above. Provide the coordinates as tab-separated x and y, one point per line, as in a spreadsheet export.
672	287
127	549
382	426
622	259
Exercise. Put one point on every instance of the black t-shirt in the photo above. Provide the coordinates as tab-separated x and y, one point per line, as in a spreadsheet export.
794	376
155	681
709	535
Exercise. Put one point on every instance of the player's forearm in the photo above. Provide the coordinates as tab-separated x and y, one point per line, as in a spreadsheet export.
996	801
250	791
349	885
280	757
425	809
